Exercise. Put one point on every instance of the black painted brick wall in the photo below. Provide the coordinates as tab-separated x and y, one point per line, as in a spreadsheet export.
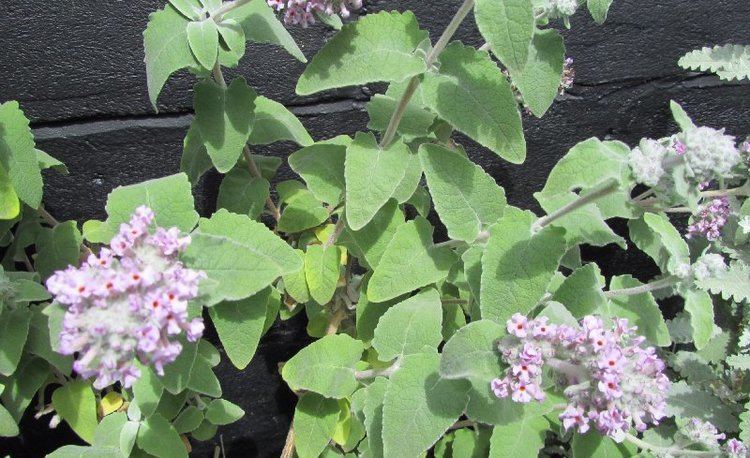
76	68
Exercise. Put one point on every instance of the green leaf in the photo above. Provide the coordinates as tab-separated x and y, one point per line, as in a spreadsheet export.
409	326
745	424
591	163
701	309
741	362
508	26
240	325
378	47
641	310
728	61
242	255
470	353
169	197
412	176
188	420
734	283
369	243
322	167
599	9
658	238
48	162
243	193
273	123
410	261
159	438
147	391
523	438
419	406
58	248
314	422
203	37
372	177
262	26
581	292
302	211
10	206
167	48
539	80
177	373
508	285
194	161
467	199
40	343
188	8
8	426
29	291
415	123
325	366
296	284
373	411
594	445
322	272
471	444
18	154
22	387
14	328
202	378
224	118
223	412
472	94
75	403
693	367
685	401
680	116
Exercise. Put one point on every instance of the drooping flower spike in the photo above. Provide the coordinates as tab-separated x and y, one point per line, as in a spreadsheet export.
302	12
128	303
610	380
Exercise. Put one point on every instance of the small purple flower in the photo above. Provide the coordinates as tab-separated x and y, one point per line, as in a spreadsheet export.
302	12
127	303
568	75
575	417
710	219
679	147
736	448
518	325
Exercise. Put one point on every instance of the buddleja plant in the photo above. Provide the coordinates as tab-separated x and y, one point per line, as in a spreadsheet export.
499	341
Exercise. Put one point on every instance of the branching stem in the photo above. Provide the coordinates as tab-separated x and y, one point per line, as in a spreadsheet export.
634	291
398	114
668	450
575	205
225	8
372	373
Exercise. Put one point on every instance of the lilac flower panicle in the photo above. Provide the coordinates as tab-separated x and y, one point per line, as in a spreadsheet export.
710	219
128	303
702	432
568	75
302	12
611	381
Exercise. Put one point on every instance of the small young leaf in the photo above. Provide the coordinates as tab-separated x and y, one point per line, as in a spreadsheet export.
223	412
407	327
680	116
188	8
203	37
325	366
372	176
224	118
242	255
75	403
302	210
508	26
410	261
240	326
655	235
517	266
322	272
734	283
728	62
202	379
472	94
378	47
467	199
599	9
314	422
188	420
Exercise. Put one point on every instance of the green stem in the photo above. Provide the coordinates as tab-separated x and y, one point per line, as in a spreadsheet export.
575	205
743	190
398	114
225	8
671	452
49	219
634	291
340	224
372	373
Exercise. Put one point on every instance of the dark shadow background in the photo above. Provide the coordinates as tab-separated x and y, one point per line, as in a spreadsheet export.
76	67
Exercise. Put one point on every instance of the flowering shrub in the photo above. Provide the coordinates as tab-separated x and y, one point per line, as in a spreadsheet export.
499	340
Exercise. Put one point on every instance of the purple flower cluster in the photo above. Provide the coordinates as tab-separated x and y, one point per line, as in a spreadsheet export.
611	381
303	12
568	76
736	449
710	219
703	433
128	302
